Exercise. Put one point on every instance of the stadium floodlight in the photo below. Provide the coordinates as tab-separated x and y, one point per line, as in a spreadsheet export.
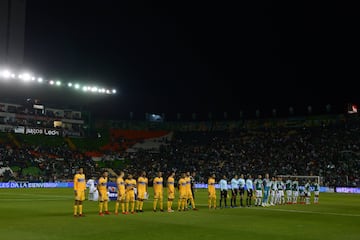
25	76
6	74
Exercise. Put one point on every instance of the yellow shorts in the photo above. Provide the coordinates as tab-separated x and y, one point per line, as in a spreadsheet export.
158	195
212	195
171	195
103	196
189	195
183	195
121	196
141	195
130	196
80	195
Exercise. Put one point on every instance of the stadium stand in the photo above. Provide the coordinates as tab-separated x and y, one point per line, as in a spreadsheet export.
328	147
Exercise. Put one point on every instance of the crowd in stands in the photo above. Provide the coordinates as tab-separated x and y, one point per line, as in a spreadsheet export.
330	151
53	163
327	152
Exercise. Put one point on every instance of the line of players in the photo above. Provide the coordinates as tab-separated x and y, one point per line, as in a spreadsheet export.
267	192
127	188
131	191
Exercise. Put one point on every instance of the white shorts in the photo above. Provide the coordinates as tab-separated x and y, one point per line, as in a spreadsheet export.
316	193
258	193
295	193
281	193
288	193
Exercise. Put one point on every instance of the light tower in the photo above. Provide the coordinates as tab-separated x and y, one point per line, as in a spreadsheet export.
12	32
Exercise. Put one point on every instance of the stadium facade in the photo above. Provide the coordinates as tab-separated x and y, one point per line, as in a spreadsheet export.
35	118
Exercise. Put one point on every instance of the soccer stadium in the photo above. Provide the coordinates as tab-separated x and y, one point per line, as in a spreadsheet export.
41	153
135	120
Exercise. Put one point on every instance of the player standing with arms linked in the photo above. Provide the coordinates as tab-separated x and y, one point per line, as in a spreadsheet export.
212	192
142	183
241	182
249	188
234	190
171	191
121	194
79	190
130	185
103	194
223	190
158	191
182	192
267	186
258	190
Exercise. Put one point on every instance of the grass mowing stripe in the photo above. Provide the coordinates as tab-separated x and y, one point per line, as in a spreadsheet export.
36	214
303	211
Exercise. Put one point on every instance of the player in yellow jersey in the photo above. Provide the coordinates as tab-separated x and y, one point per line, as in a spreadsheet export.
171	191
158	184
130	184
212	192
182	192
189	195
121	193
103	194
142	183
79	190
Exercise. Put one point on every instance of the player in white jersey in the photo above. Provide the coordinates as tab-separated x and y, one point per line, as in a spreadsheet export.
223	190
295	191
316	192
234	190
249	188
288	190
241	184
307	191
93	193
273	192
258	184
280	187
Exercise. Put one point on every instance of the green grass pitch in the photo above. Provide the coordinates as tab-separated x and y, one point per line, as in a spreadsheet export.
46	214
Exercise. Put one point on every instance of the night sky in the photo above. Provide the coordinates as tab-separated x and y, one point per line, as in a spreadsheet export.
195	56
